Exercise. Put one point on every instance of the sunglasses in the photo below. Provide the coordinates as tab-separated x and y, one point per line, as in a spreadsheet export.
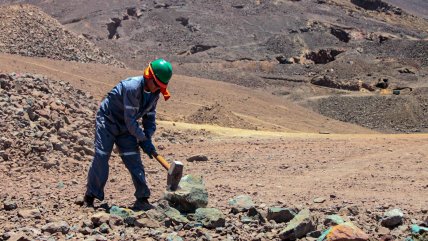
156	84
155	81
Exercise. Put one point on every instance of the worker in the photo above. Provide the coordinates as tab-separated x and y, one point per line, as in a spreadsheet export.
117	123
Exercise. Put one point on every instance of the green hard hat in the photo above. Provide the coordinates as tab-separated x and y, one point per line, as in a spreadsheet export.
162	69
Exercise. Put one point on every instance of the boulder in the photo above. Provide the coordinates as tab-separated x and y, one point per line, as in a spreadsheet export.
241	203
332	220
190	196
392	218
298	227
280	215
344	232
210	217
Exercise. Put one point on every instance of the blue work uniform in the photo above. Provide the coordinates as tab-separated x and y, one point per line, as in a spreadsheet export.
117	123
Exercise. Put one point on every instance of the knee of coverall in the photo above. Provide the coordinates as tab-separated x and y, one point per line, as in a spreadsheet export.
130	154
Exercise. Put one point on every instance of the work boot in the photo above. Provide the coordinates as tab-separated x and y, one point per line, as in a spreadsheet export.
88	201
142	204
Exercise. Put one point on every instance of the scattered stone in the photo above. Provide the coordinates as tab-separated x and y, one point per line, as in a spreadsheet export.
241	203
319	200
210	217
146	223
9	205
344	232
104	228
79	200
407	70
280	215
332	220
197	158
100	218
18	237
56	227
121	212
418	229
29	213
174	237
392	218
256	215
298	227
175	216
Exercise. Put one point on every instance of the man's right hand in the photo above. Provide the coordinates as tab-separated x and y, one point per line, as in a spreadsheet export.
148	147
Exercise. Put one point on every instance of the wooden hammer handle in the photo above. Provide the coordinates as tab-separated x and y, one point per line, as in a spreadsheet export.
162	161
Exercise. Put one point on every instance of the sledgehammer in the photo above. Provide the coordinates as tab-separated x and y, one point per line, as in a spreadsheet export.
175	171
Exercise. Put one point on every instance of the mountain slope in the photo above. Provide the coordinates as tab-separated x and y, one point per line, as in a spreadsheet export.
28	31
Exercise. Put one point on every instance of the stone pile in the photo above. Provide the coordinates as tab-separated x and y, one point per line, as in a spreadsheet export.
43	122
28	31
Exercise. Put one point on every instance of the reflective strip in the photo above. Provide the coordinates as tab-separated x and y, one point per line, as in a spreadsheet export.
129	153
131	107
101	152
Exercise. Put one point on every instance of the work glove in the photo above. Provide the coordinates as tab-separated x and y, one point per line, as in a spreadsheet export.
148	147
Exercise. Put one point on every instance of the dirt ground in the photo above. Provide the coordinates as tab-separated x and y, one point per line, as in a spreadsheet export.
286	166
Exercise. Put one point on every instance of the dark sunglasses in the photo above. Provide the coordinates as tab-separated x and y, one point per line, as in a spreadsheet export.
156	84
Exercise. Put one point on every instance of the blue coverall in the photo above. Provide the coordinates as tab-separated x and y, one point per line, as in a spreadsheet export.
117	123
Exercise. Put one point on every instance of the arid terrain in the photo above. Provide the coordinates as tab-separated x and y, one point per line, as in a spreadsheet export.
288	105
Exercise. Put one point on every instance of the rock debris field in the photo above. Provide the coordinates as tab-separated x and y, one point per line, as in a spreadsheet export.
46	143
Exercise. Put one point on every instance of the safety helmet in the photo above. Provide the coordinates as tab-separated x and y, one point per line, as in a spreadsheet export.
162	70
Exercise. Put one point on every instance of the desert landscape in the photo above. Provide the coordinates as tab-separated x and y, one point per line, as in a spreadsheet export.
295	120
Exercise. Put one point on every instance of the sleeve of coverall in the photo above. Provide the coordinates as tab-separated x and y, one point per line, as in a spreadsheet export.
149	121
131	106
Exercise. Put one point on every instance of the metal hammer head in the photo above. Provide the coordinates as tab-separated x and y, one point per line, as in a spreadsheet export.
175	172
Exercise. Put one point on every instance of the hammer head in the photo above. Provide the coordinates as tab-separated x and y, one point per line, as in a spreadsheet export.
175	173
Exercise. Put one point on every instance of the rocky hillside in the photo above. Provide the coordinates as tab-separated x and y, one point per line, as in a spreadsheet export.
43	122
387	113
28	31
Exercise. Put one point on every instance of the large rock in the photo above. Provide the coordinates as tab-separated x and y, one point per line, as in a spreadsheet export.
344	232
241	203
332	220
190	196
146	223
9	205
121	212
100	218
280	215
298	227
56	227
210	217
175	216
392	218
29	213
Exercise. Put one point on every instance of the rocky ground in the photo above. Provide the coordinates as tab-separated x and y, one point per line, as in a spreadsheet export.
257	166
46	149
